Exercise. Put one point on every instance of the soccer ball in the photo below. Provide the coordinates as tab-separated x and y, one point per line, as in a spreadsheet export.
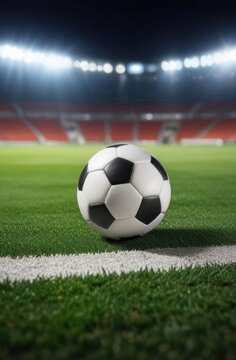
123	192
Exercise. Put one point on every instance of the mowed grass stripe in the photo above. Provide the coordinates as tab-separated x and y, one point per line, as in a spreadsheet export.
30	268
187	314
39	213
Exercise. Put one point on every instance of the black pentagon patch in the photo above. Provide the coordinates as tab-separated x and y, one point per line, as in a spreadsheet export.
100	215
149	209
159	167
115	145
82	178
119	171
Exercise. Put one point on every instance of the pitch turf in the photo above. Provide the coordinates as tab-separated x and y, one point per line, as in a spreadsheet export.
174	315
188	314
39	213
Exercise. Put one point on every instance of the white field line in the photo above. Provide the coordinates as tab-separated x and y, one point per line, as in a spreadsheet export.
32	267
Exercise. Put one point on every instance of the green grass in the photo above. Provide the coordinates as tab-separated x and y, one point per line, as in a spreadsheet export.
188	314
174	315
39	212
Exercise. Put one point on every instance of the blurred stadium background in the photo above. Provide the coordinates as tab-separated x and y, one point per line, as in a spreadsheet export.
51	98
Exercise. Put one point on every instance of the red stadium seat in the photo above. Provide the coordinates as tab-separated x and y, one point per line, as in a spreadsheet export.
93	130
190	129
51	129
16	130
149	130
122	130
2	138
225	130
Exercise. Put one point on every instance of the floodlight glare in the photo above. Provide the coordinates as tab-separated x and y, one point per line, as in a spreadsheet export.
178	65
99	68
29	56
165	66
203	61
209	60
135	68
225	57
233	54
172	65
11	52
107	68
120	69
84	65
92	67
77	64
54	61
195	62
187	63
218	58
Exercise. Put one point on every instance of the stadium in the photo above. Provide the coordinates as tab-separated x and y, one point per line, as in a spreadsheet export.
68	290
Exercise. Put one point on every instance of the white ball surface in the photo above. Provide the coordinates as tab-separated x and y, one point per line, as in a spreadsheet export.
123	192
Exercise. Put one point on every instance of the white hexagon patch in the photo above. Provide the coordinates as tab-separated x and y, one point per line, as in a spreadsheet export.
96	187
146	179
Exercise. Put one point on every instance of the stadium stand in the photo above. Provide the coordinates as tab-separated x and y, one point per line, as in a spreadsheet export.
93	130
149	130
2	138
7	107
213	107
232	107
122	130
224	129
41	122
16	130
190	129
51	129
104	108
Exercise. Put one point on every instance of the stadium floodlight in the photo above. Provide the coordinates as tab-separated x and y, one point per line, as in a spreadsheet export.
28	56
203	60
77	63
193	62
135	68
11	52
178	65
120	69
233	54
221	57
84	65
92	67
54	61
207	60
165	65
172	65
107	68
218	58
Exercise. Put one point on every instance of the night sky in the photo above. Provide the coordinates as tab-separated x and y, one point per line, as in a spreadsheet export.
120	30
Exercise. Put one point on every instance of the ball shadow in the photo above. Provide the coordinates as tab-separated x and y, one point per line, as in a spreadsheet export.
173	238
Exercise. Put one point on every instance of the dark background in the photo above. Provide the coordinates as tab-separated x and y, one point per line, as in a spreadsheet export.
117	30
